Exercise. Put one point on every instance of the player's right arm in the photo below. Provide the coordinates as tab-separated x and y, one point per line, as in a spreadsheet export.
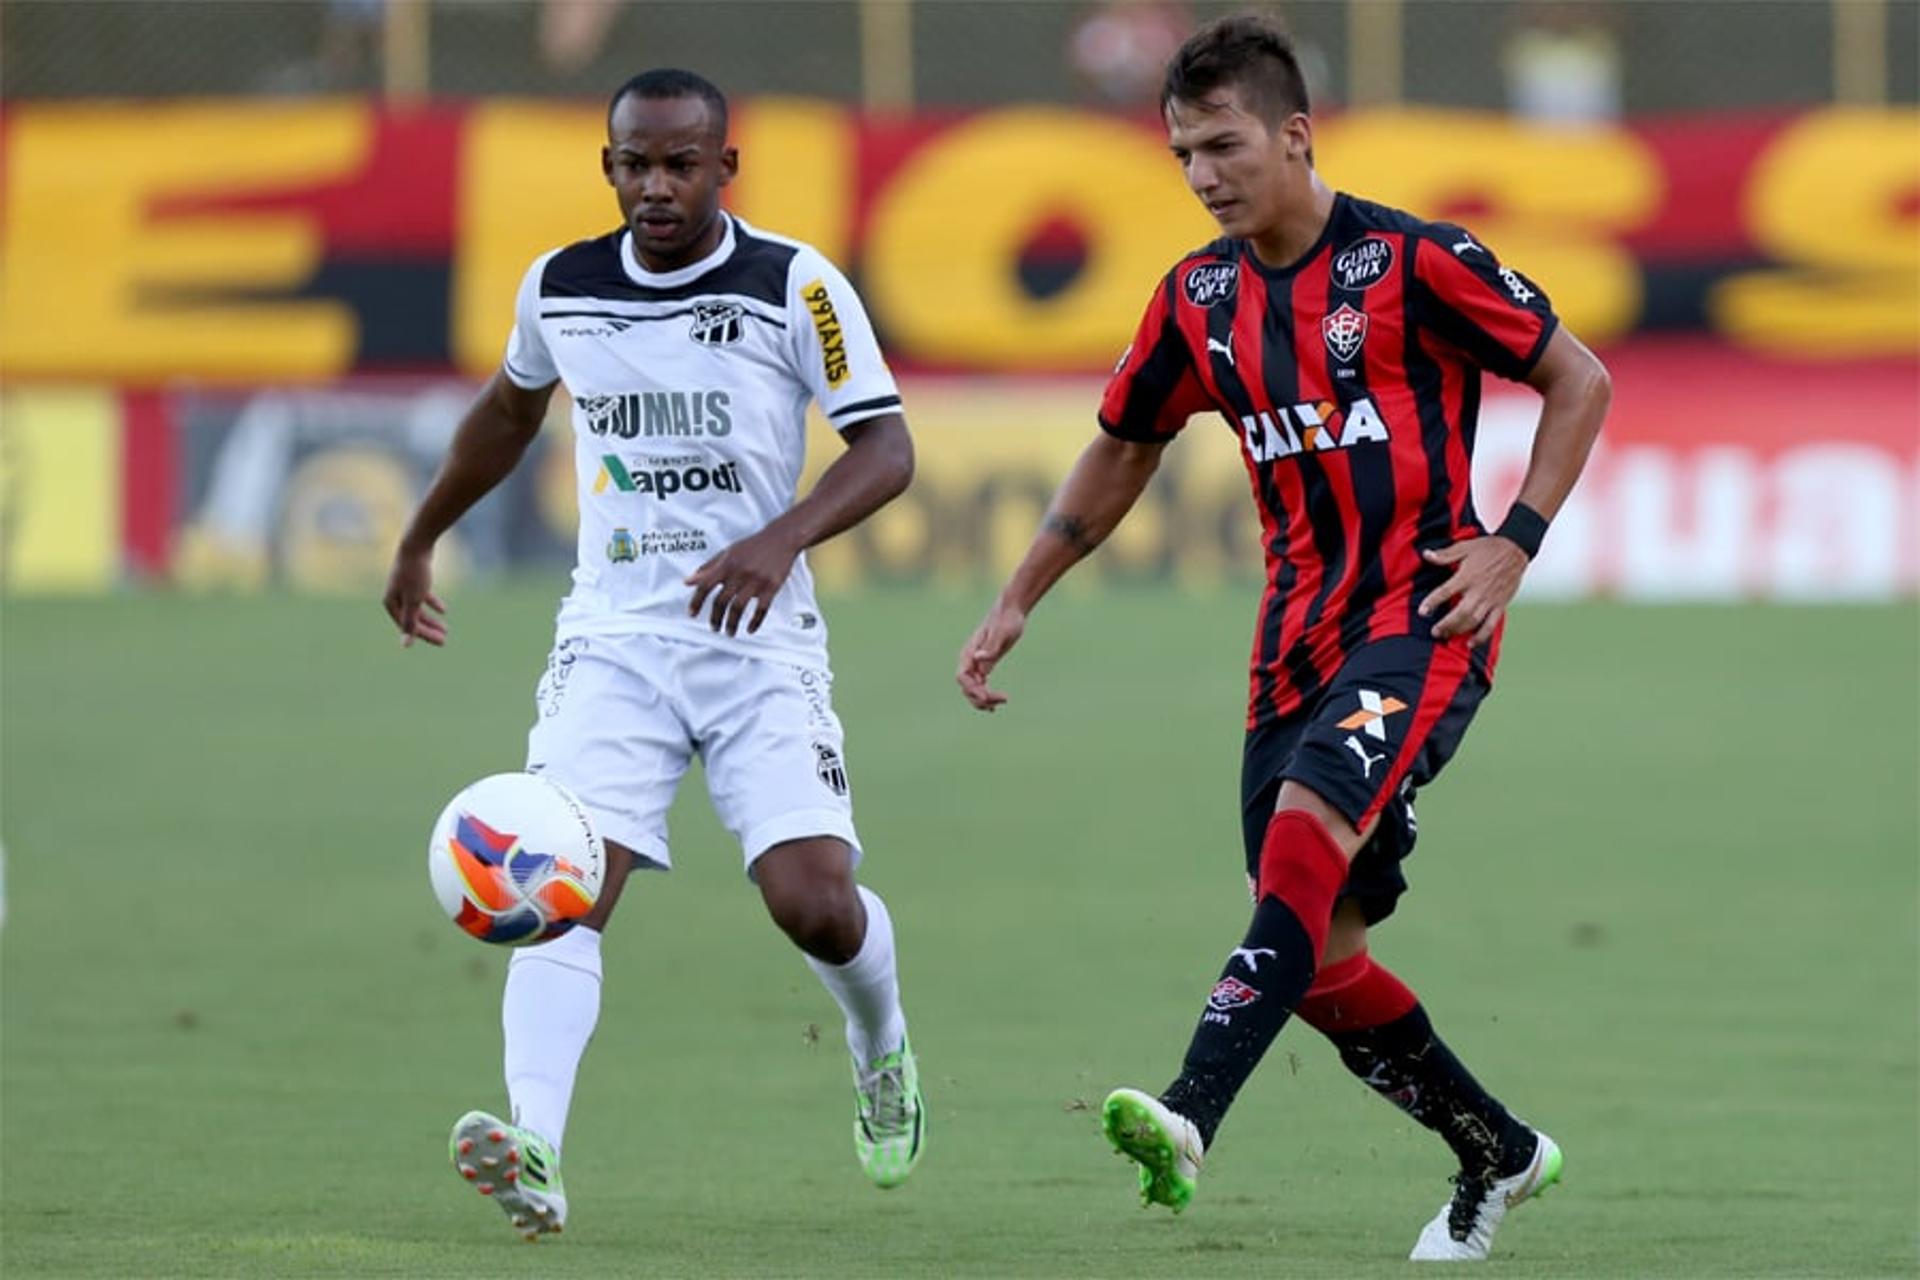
492	437
1153	392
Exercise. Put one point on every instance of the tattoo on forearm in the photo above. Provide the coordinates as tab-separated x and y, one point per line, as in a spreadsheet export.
1073	530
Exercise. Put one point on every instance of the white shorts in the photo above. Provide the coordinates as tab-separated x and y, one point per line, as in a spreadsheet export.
618	719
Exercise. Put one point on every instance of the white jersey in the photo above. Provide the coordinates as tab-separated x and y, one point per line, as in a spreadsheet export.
690	392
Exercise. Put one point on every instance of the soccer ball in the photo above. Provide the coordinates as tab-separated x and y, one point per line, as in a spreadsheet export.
514	859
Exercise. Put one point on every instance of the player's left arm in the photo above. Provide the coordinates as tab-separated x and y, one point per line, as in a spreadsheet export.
837	358
1575	389
875	469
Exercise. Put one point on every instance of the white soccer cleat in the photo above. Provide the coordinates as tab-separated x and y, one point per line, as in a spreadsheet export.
1463	1229
515	1168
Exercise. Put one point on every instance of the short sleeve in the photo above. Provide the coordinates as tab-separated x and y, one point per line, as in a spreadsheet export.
838	356
528	362
1498	317
1154	388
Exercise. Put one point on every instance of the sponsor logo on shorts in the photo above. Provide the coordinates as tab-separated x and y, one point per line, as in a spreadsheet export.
1211	283
1371	718
718	324
826	322
831	768
1344	331
663	481
631	414
1229	994
1363	263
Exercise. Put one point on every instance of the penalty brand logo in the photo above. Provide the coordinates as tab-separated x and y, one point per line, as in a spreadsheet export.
1312	427
1371	718
1344	331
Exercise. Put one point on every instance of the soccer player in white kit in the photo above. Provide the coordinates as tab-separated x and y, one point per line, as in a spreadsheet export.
691	344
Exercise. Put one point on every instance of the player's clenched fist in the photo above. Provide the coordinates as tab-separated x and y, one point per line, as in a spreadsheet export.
751	570
996	634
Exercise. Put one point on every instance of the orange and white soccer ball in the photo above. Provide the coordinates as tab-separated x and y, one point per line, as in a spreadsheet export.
515	860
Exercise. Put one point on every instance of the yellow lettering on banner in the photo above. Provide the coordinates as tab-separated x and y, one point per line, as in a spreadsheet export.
85	260
59	490
530	181
1825	198
947	230
1557	197
796	171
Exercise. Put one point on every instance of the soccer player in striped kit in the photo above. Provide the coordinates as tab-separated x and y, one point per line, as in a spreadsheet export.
1343	344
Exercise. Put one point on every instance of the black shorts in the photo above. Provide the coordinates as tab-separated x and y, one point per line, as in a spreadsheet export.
1384	726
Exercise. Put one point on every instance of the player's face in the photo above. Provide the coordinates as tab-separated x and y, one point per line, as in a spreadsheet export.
1249	176
666	164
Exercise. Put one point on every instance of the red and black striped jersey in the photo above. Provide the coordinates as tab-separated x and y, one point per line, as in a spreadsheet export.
1351	382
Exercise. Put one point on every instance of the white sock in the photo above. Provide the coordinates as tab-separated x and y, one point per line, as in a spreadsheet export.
868	987
548	1012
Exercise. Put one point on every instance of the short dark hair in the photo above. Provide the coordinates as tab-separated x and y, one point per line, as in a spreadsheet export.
672	82
1247	51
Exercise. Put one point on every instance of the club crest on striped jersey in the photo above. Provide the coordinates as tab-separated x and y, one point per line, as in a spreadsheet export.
1311	428
1211	283
1363	263
1344	330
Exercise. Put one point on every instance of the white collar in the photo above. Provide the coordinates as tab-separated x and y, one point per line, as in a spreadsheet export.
630	261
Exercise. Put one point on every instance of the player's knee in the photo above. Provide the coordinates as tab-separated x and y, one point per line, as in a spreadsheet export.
823	921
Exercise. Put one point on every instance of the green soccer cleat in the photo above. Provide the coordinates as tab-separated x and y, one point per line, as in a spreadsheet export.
889	1116
517	1168
1162	1142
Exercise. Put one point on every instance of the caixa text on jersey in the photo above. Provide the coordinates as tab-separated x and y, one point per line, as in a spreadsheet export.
657	413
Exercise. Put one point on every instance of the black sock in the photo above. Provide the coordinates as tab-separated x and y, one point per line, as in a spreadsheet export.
1262	982
1411	1067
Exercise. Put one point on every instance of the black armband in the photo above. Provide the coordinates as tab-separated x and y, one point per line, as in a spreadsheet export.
1524	528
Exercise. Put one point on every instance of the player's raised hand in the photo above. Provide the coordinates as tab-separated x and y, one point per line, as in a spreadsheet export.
410	595
998	632
1486	573
750	572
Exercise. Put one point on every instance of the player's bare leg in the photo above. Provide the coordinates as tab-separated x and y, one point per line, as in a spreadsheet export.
1385	1038
847	935
547	1015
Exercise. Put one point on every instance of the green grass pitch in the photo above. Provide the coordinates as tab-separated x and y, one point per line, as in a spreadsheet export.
1664	903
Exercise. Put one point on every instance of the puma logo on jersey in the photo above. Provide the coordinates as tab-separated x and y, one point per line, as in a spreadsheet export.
826	322
1466	245
1367	761
1224	348
1313	427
